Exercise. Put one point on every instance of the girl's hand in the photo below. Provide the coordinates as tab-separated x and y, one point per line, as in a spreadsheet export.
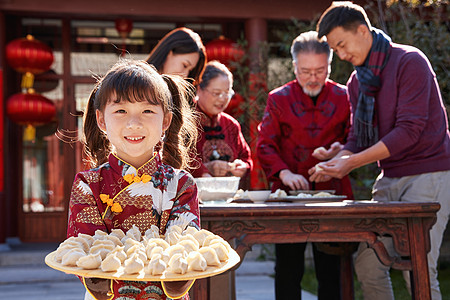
176	289
98	287
218	168
293	181
238	168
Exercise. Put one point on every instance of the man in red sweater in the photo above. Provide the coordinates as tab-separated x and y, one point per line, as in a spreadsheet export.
400	121
311	112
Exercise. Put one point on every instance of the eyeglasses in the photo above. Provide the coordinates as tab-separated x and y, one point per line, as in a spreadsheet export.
308	73
223	95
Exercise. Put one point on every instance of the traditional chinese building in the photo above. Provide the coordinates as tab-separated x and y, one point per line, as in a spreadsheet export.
85	38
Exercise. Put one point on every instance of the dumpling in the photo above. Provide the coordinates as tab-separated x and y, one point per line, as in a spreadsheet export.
189	237
160	242
63	249
210	255
190	230
99	235
77	242
135	248
104	242
130	243
120	253
89	239
139	251
221	251
103	250
156	266
196	262
178	264
159	251
111	263
90	261
201	235
72	256
172	237
133	265
134	233
172	250
221	241
210	238
115	240
174	228
118	233
188	245
152	232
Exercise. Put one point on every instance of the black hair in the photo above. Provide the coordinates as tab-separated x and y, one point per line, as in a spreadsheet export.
213	70
342	13
180	41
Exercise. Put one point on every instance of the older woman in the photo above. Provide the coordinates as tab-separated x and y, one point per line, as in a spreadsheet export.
221	147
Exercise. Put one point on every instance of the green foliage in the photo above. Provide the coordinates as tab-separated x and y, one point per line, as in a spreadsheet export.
422	25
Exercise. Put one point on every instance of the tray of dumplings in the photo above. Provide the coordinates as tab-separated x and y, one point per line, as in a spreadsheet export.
305	196
178	255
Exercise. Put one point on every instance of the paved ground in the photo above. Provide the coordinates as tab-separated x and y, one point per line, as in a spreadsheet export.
23	275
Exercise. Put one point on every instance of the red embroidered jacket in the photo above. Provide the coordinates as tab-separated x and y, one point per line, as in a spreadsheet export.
293	126
169	194
220	137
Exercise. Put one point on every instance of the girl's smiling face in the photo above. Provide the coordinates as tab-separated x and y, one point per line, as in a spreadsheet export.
133	128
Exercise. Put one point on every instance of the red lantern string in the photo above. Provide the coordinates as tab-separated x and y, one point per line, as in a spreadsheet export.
30	109
29	56
124	27
224	50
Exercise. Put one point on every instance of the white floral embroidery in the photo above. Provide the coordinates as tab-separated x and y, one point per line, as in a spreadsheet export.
141	189
183	219
84	188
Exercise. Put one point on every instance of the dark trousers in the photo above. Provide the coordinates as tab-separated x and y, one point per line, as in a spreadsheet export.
290	266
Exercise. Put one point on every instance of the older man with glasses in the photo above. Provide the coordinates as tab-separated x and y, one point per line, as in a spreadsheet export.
305	121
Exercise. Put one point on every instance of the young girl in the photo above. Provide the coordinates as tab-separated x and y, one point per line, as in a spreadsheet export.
221	147
131	110
180	52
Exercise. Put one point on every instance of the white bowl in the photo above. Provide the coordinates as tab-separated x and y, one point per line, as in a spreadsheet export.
258	196
217	188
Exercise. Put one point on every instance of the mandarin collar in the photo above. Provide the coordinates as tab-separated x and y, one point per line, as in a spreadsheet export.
206	120
149	167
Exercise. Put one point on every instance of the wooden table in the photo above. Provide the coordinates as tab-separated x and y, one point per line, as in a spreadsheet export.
408	223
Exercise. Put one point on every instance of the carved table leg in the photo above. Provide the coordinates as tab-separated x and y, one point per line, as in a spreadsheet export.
420	279
347	277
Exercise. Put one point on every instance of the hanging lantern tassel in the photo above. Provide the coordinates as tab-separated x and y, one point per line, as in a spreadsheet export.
30	109
27	80
29	133
124	27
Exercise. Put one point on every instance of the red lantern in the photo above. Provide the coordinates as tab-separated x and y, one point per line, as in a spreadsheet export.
124	27
223	50
234	107
29	56
30	109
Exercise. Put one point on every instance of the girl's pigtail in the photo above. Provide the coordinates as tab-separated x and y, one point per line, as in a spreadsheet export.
181	136
97	146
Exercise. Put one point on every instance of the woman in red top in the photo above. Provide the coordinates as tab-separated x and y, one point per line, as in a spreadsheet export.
221	147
